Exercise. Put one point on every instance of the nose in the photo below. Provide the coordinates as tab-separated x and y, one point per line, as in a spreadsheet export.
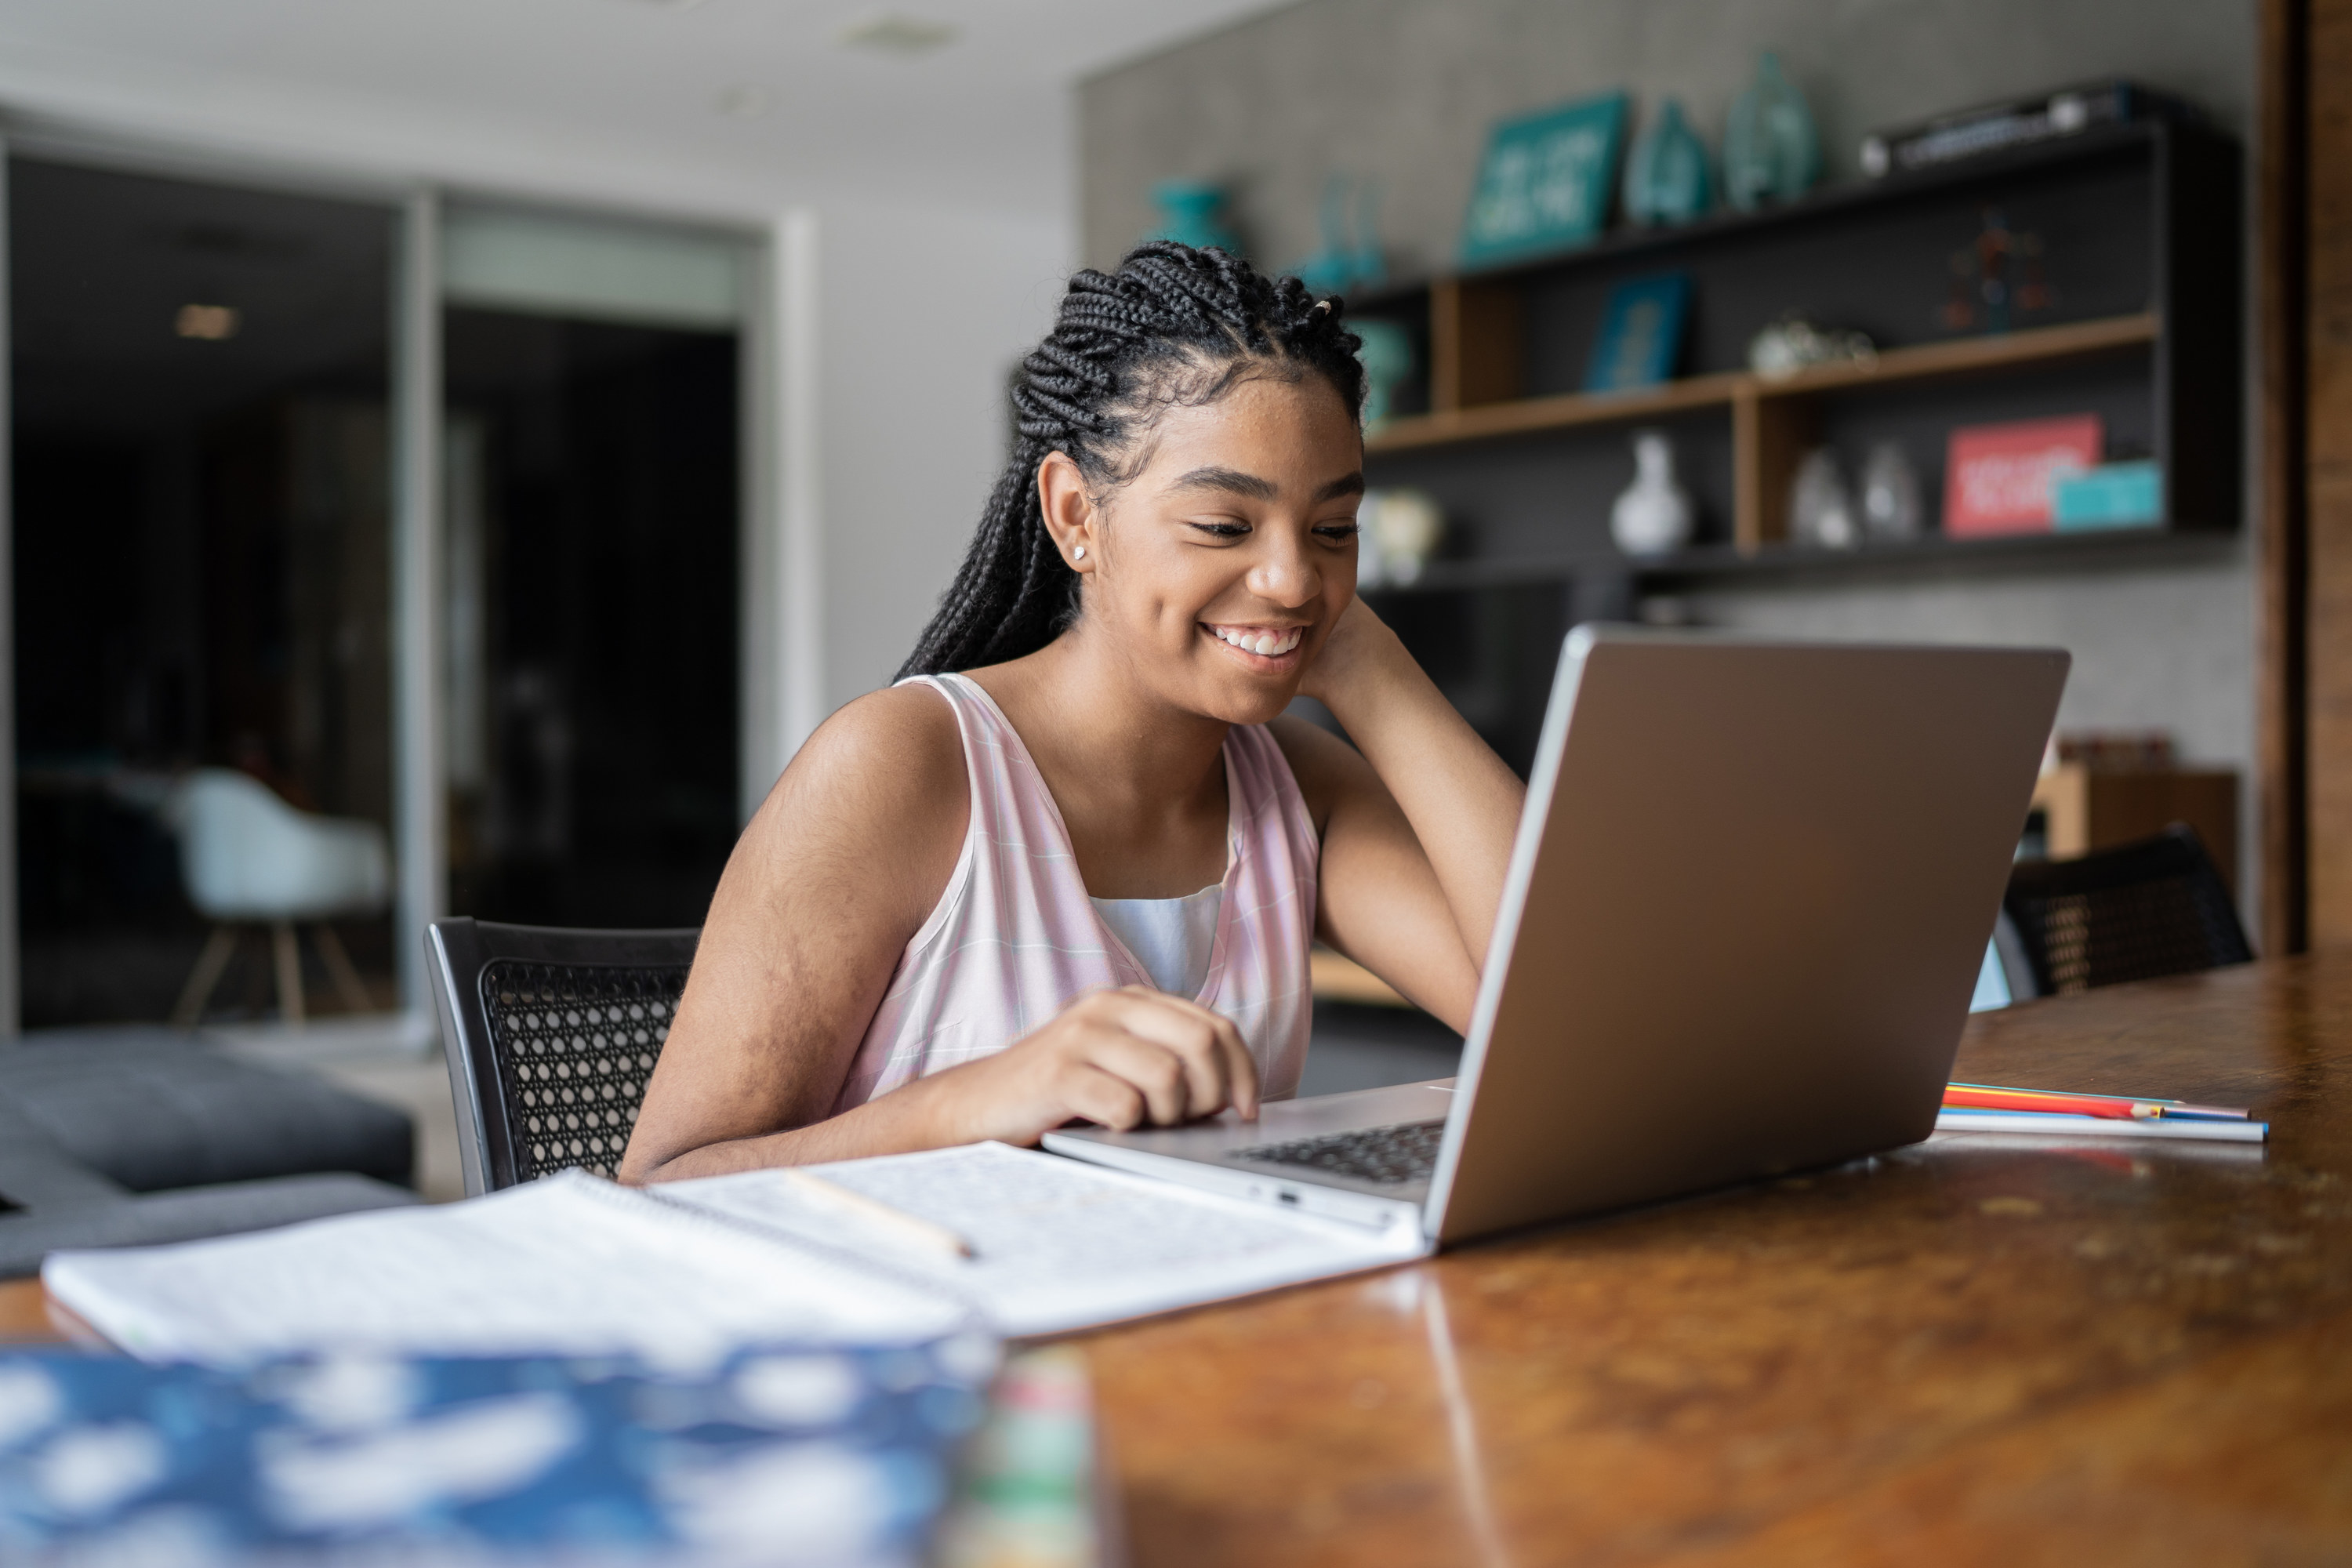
1285	573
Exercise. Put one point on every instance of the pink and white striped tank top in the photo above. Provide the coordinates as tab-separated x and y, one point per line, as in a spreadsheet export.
1014	937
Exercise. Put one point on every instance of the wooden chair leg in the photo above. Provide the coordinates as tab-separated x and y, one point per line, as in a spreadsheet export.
289	971
339	966
219	948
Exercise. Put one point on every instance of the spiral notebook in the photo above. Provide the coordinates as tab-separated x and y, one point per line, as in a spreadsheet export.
685	1273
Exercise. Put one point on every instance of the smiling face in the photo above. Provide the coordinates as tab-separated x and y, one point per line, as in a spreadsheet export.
1215	574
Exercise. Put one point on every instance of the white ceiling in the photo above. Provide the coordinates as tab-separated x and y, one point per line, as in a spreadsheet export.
636	100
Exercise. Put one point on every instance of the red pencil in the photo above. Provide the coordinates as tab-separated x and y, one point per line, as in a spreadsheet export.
1960	1099
1997	1097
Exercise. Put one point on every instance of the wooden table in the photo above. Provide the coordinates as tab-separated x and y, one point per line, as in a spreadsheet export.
1965	1351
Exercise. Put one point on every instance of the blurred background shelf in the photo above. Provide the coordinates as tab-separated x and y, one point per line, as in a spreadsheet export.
2138	323
1960	356
2088	549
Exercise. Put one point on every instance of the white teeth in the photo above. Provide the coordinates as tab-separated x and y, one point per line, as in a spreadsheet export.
1264	644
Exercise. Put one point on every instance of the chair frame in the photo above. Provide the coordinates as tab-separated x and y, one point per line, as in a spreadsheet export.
458	950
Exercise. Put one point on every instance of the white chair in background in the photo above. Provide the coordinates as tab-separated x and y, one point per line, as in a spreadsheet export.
249	858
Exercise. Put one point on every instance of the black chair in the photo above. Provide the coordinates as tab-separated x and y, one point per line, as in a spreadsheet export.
2136	911
551	1037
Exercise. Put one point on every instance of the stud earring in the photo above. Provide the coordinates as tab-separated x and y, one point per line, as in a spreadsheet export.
1080	553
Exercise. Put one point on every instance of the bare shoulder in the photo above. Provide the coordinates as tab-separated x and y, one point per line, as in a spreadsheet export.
1328	769
901	740
882	779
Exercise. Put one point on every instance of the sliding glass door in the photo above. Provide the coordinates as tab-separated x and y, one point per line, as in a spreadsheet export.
214	590
200	560
592	374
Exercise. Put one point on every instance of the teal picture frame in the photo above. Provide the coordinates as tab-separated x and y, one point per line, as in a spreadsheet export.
1546	182
1641	337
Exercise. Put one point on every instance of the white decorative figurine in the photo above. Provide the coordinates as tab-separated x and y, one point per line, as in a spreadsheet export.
1653	517
1820	513
1890	495
1403	528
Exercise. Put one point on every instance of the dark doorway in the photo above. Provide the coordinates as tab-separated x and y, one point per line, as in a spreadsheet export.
201	558
592	554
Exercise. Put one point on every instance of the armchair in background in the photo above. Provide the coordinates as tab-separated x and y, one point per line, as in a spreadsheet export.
249	858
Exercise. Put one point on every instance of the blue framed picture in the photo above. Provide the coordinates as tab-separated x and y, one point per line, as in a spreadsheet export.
1641	337
1546	182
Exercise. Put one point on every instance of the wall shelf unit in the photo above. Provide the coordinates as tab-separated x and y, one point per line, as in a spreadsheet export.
2139	234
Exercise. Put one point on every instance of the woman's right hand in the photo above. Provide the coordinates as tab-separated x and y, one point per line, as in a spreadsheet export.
1124	1058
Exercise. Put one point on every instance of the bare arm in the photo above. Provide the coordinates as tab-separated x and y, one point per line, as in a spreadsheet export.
836	872
1419	824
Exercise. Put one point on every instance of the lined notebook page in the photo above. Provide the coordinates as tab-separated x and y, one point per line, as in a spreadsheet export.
1061	1244
568	1266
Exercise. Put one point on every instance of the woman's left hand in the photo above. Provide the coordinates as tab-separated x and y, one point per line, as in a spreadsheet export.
1353	654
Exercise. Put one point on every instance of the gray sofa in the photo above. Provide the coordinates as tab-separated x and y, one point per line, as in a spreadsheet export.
115	1136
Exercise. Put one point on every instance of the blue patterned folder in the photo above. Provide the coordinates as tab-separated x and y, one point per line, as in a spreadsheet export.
785	1454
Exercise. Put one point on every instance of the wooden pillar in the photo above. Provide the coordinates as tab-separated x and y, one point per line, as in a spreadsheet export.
2283	193
2325	176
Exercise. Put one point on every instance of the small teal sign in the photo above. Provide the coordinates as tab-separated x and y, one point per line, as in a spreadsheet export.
1641	333
1546	182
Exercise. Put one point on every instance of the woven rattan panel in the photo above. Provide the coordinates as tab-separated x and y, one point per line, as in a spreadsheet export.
575	1044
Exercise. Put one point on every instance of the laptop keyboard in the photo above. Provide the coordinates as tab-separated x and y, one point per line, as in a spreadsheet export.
1389	1155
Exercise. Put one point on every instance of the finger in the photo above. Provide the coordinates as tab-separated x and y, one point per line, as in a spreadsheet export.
1236	1068
1156	1071
1207	1043
1103	1097
1240	1071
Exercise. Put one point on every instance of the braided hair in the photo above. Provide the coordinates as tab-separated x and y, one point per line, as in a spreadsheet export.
1171	327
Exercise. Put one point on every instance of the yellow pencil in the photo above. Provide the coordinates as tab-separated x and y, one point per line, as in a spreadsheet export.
915	1228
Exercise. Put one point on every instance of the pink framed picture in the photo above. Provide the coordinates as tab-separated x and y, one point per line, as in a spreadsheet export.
1998	478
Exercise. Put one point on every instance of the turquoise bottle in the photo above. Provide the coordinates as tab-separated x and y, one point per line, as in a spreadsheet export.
1770	151
1666	177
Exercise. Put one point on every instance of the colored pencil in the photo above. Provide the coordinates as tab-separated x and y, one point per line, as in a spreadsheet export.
1997	1097
2046	1124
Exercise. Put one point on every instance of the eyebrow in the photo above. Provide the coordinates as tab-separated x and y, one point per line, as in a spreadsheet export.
1235	482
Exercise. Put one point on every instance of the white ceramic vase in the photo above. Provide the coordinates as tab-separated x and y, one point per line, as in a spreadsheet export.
1820	508
1890	511
1653	517
1405	528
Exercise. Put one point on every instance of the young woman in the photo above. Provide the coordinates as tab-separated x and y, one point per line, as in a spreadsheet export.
1069	866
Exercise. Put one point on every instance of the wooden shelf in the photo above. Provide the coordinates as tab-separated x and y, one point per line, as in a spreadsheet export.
2086	808
1960	356
2154	542
1725	225
2149	341
1533	416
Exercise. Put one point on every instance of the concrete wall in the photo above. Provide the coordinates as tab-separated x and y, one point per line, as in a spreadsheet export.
1404	92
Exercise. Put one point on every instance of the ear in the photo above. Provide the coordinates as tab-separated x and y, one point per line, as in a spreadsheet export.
1070	515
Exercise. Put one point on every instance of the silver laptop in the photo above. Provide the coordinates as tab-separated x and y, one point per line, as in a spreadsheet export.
1745	911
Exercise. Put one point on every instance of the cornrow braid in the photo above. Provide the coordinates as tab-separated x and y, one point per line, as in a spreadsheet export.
1171	327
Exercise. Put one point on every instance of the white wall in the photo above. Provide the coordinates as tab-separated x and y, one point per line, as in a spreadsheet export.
925	313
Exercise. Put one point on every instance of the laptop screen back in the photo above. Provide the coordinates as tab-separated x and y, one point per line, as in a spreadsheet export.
1746	912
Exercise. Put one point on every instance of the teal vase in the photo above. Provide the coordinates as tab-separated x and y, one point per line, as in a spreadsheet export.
1666	177
1770	151
1193	212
